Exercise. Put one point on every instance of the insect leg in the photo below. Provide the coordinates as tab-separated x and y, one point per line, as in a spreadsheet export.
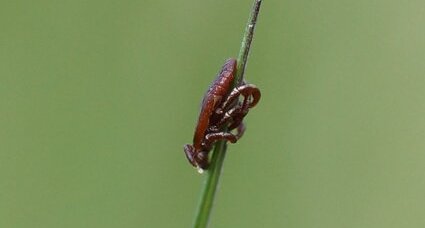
214	137
247	90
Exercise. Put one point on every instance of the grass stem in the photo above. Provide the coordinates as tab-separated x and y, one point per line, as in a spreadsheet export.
212	175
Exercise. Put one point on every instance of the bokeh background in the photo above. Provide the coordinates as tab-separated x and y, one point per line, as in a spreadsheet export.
97	99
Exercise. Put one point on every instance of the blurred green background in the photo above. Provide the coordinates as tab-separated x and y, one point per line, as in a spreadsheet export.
97	99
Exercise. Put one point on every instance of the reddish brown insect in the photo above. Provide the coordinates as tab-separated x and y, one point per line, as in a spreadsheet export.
221	108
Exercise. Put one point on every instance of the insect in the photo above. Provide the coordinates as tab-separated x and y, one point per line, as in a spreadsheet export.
222	108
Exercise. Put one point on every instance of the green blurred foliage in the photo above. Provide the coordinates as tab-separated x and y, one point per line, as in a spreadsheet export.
98	97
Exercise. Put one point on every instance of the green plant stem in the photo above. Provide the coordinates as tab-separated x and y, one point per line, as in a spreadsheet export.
246	42
209	187
212	175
